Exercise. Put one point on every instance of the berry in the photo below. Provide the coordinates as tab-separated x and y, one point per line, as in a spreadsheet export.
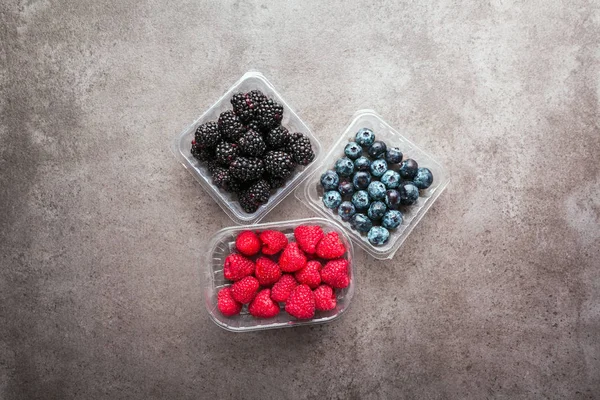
330	180
251	144
263	306
207	135
335	274
256	195
308	237
230	126
377	210
361	222
331	246
278	164
393	156
360	200
408	169
212	165
272	242
237	266
365	137
221	178
254	126
423	179
361	180
246	104
409	193
283	287
277	137
377	149
392	219
378	236
324	298
201	154
226	303
269	114
244	290
344	166
378	167
332	199
246	168
226	152
392	199
292	259
267	271
300	149
247	243
362	164
391	179
301	303
346	188
346	210
376	190
309	275
236	186
275	182
353	150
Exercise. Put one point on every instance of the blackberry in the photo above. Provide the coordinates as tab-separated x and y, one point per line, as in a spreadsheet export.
212	165
256	195
300	149
274	182
201	154
207	135
254	126
246	104
225	152
277	137
251	143
230	126
236	186
269	114
221	178
278	164
246	168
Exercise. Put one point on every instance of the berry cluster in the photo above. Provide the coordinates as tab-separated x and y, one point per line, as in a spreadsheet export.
248	152
367	190
304	276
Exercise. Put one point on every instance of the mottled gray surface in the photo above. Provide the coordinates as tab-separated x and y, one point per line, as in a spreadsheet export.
495	295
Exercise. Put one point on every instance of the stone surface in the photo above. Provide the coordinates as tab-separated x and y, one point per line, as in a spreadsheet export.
496	294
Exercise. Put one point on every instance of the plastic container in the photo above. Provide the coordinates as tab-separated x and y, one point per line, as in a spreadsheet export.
223	244
311	192
181	147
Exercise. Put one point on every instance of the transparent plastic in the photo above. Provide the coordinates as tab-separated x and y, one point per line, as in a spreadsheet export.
223	244
311	192
181	147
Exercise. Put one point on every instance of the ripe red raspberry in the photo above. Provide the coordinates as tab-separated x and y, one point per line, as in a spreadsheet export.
263	306
301	303
245	289
267	271
226	303
282	289
310	275
331	246
325	299
292	259
237	266
247	243
335	274
308	236
272	242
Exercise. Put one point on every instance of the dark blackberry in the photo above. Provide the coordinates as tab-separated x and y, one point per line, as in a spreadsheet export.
251	143
201	154
269	114
221	178
236	186
256	195
246	104
275	182
277	137
230	126
247	168
254	126
225	152
212	165
207	135
278	164
300	149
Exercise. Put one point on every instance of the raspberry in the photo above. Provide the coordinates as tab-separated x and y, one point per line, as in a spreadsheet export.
310	275
301	303
245	289
331	246
226	303
324	298
284	286
267	271
292	259
273	242
237	267
263	306
335	274
308	236
247	243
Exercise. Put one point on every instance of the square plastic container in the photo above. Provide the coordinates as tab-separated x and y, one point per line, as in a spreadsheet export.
181	147
223	244
311	191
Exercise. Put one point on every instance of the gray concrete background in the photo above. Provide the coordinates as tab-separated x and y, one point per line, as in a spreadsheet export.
496	294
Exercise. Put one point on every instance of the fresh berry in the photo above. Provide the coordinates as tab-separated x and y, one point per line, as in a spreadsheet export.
423	179
392	199
300	149
335	274
267	271
332	199
207	135
365	137
269	114
237	266
278	164
346	188
226	152
246	104
263	306
346	210
392	219
378	235
353	150
377	149
292	259
201	154
376	190
360	200
362	164
236	186
221	178
331	246
247	168
230	126
247	243
277	137
309	275
408	169
361	222
409	193
393	156
301	303
283	287
213	165
254	126
251	144
325	299
330	180
272	242
378	167
244	290
227	304
391	179
344	166
361	180
275	182
254	196
308	237
377	210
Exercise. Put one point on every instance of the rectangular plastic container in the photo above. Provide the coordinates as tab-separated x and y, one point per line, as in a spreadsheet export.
311	192
181	147
223	244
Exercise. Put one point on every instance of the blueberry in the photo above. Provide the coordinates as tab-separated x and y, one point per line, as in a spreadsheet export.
362	164
408	169
378	235
346	210
376	210
344	166
330	180
377	149
376	190
393	156
392	219
361	180
353	150
378	167
365	137
392	199
423	179
409	193
391	179
360	200
361	222
332	199
345	188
